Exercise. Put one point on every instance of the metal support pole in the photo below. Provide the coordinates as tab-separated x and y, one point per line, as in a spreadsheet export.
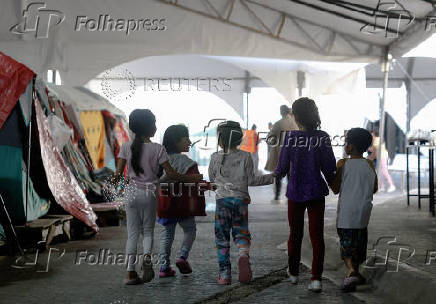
431	179
301	82
247	90
385	70
29	147
407	175
408	84
419	177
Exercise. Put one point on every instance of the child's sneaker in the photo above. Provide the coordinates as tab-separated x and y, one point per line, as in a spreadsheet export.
315	286
291	278
224	281
166	272
183	265
349	284
244	269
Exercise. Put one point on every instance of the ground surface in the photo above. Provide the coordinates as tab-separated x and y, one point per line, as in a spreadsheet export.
67	282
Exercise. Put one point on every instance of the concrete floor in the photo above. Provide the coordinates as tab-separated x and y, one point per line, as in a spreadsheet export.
68	282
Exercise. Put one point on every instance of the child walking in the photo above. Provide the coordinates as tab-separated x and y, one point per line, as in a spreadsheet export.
232	171
355	181
179	205
306	154
143	158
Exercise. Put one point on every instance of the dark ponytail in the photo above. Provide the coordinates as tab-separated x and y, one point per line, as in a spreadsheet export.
143	123
306	113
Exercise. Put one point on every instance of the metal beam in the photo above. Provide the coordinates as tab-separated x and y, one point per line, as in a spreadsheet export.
269	33
256	17
344	16
248	28
315	24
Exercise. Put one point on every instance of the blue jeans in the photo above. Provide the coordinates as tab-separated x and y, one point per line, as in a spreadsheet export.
166	242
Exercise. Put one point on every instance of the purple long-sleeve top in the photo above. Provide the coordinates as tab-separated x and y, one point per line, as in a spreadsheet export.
304	156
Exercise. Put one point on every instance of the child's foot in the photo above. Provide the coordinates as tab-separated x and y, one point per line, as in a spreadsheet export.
183	265
166	272
350	284
224	281
291	278
244	269
147	270
391	189
133	279
315	286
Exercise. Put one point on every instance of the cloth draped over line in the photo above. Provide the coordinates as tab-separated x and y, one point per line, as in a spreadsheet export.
94	132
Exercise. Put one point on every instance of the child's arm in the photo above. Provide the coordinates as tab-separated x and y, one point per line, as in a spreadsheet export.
212	169
283	164
371	164
173	175
328	160
335	184
119	172
257	180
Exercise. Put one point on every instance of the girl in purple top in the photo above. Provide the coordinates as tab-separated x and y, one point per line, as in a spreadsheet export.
306	157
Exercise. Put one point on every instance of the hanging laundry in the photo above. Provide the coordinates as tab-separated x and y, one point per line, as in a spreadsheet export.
94	131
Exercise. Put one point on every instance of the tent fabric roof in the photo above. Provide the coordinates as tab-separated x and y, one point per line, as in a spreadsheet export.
419	73
239	73
82	99
321	30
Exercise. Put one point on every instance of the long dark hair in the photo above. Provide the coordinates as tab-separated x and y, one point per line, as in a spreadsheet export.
142	122
306	113
173	134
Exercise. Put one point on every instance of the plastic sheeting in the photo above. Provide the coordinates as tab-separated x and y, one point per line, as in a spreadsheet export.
14	78
61	181
60	131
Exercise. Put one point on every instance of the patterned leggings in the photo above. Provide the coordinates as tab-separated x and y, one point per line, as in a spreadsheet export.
231	215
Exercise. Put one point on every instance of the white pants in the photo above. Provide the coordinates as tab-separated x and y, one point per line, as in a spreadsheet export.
141	218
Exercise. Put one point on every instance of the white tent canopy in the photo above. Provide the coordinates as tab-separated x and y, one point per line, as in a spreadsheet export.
232	76
418	74
82	46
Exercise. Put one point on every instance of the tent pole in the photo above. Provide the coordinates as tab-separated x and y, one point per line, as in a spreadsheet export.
29	146
385	70
408	82
247	90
